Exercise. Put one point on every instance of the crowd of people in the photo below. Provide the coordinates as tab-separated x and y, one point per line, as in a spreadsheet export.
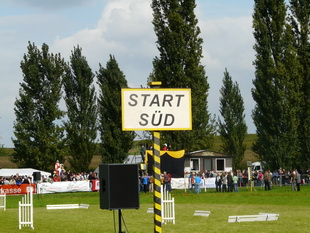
64	176
147	182
224	181
61	174
15	180
230	182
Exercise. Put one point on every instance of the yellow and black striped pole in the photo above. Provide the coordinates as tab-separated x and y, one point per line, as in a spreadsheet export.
156	171
157	183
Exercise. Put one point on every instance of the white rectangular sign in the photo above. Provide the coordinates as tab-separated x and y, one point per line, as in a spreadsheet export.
156	109
63	187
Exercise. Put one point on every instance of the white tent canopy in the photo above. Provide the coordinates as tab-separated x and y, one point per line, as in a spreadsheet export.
7	172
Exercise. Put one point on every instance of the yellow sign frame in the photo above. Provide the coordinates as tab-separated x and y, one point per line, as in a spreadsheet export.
171	104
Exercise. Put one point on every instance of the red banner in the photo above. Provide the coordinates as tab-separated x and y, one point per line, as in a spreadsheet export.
95	185
10	189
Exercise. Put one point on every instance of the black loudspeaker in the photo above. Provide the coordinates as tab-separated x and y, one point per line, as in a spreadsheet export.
119	186
36	176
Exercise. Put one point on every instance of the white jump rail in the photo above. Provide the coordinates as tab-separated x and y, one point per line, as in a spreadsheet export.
253	218
3	201
203	213
270	214
67	206
84	206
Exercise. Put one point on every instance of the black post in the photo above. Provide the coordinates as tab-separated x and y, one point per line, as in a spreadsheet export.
120	221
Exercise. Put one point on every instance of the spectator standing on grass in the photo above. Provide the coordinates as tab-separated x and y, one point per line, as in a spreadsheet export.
218	182
145	182
293	180
162	178
245	177
239	174
151	185
267	180
230	182
298	180
197	184
235	181
192	180
260	179
280	172
166	181
255	178
287	177
275	177
224	182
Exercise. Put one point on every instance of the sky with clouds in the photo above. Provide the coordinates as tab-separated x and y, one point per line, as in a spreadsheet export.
122	28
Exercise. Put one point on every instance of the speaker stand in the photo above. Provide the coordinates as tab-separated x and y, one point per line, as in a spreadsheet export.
120	221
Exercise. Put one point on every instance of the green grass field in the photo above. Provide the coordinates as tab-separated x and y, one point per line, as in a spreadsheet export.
293	207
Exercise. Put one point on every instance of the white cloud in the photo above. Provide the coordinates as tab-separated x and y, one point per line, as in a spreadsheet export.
228	44
229	41
48	4
124	30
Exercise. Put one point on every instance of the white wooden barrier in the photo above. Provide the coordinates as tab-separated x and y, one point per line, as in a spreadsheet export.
203	213
253	218
67	206
3	201
25	210
84	206
167	211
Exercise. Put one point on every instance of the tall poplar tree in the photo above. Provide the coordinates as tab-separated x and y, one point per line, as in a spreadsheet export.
179	66
276	86
80	98
115	143
300	21
38	139
2	152
233	127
